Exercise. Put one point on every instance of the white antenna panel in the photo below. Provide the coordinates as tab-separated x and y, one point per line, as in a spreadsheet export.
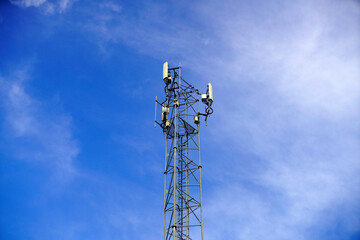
210	92
165	70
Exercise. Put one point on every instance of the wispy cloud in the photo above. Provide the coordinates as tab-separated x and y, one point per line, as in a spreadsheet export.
286	79
300	118
37	135
28	3
47	6
111	6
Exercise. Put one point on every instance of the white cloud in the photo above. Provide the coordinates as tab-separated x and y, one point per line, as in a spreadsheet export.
301	118
38	136
111	6
28	3
63	5
47	6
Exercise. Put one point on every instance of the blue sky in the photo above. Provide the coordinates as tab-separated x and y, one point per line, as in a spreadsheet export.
80	158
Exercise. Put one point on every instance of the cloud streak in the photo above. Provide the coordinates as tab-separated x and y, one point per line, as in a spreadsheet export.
48	7
37	136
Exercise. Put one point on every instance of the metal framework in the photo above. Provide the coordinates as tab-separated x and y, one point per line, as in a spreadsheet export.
183	217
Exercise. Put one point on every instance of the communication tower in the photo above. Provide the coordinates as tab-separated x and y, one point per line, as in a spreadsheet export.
180	122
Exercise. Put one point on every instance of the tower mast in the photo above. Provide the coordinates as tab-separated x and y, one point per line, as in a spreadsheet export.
180	122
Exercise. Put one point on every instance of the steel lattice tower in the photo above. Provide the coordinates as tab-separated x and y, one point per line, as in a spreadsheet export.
180	121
